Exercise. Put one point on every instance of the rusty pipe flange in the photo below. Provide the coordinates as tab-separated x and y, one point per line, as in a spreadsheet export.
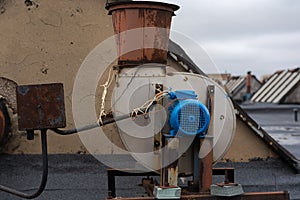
141	4
4	123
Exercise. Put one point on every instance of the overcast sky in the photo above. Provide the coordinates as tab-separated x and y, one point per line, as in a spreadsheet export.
258	35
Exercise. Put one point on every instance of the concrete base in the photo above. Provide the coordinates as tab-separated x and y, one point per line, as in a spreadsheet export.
167	193
226	190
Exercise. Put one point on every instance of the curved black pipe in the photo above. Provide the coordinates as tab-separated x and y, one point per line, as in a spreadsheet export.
73	131
44	176
6	122
105	120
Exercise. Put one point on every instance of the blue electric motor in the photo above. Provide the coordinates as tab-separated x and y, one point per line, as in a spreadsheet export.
188	115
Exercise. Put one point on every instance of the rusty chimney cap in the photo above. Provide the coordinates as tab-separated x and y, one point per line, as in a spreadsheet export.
141	4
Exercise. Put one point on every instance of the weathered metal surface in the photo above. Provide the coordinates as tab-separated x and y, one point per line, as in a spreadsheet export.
170	172
138	15
173	174
247	196
203	170
206	164
41	106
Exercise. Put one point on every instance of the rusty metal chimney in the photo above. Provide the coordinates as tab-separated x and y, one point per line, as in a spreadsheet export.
248	82
247	96
152	21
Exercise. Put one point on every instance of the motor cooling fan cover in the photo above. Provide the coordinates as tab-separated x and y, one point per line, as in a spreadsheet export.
190	117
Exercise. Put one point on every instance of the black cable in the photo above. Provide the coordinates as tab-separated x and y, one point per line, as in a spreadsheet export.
73	131
44	176
105	120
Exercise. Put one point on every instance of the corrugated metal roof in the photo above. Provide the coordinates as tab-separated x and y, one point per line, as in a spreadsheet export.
237	85
278	86
234	83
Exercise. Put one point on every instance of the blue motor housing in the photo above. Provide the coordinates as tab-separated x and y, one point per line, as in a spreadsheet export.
190	117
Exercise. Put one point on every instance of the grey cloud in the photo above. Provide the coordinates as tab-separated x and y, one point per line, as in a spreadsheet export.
258	35
209	19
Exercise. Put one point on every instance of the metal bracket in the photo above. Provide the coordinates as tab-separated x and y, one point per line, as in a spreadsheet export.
41	106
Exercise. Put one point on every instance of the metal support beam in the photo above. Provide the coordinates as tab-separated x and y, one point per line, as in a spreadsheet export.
112	173
206	164
228	172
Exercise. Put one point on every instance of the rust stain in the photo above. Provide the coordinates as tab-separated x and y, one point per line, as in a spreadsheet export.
172	175
41	106
206	165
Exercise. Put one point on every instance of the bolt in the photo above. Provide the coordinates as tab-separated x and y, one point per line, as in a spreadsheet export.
156	143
